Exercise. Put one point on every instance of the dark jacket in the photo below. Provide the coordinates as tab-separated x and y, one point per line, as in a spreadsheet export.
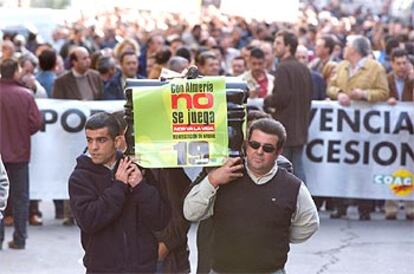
113	89
19	119
319	86
65	86
290	101
174	185
116	222
142	60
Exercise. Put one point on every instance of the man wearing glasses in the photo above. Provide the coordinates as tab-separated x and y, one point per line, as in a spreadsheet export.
258	208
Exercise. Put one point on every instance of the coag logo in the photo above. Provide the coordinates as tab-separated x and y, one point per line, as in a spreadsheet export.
401	182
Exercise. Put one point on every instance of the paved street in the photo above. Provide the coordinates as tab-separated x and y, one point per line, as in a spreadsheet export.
340	246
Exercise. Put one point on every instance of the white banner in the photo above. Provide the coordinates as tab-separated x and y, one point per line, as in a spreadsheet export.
362	151
56	147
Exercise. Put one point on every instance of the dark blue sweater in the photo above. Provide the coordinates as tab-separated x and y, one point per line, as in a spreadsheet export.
116	222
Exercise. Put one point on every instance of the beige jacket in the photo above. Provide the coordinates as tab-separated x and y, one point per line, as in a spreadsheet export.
370	77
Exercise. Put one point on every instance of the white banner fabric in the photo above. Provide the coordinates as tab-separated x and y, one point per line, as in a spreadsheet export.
361	151
56	147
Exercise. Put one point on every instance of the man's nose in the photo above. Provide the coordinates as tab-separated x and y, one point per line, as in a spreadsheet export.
260	150
94	145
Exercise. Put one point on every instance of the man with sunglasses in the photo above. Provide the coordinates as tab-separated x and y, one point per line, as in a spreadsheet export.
258	208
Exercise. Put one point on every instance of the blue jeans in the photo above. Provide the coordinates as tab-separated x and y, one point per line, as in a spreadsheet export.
160	267
19	192
294	154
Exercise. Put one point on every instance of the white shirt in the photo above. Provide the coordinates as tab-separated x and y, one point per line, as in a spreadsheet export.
359	65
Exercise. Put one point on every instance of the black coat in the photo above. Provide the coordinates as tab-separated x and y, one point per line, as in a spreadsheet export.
174	185
116	222
290	102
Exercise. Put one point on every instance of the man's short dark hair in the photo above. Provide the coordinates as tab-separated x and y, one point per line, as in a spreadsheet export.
269	126
257	53
8	68
329	43
240	58
163	55
119	116
289	39
390	44
254	115
47	59
397	53
184	52
219	48
126	53
103	120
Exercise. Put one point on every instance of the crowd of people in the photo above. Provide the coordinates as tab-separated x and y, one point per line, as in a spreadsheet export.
326	54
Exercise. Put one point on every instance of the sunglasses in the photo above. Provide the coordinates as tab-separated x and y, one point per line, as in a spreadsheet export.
268	148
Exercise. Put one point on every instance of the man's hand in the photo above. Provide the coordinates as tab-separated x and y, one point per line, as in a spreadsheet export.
231	170
344	99
253	93
162	251
135	175
392	101
358	94
122	173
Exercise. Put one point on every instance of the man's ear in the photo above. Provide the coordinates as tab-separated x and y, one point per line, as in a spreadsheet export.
117	141
279	151
16	75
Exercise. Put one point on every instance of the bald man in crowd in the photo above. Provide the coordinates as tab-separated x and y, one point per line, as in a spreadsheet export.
81	82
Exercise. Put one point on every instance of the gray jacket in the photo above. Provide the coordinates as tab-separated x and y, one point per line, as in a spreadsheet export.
4	188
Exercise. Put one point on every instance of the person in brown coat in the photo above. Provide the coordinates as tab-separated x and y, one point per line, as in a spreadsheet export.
400	84
401	89
81	82
290	102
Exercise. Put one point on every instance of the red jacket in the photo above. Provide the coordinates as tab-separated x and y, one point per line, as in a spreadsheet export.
19	119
